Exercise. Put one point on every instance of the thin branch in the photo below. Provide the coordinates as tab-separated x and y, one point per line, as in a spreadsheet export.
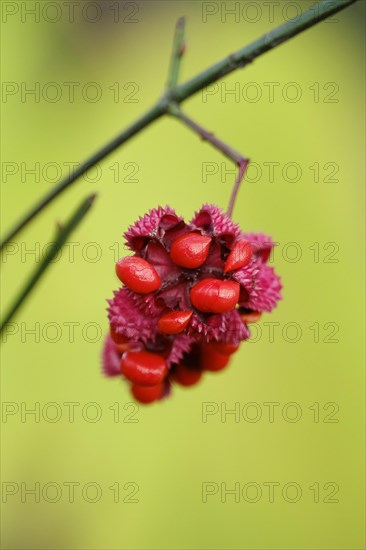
241	173
241	161
205	135
63	232
180	93
177	53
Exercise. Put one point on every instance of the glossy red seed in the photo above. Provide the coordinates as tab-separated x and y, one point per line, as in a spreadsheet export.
190	250
118	338
213	361
147	394
225	348
138	274
252	317
143	368
121	341
186	376
174	322
214	295
239	256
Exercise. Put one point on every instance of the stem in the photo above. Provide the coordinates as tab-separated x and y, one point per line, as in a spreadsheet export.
177	53
205	135
241	173
242	57
217	143
63	233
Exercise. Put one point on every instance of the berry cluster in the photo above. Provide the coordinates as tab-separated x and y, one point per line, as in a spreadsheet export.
188	295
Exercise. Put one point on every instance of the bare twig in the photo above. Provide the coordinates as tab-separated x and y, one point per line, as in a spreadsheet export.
241	161
63	232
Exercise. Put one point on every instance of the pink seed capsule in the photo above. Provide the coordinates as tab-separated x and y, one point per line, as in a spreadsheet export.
239	256
190	250
138	274
174	322
214	295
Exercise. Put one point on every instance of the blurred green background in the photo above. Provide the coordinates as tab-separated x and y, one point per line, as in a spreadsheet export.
162	457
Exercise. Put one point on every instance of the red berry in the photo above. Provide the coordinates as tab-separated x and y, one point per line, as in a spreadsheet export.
190	250
239	256
147	394
214	361
251	317
214	295
138	274
121	341
118	338
174	322
186	376
143	368
224	348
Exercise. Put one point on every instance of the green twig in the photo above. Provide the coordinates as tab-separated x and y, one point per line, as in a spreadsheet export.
63	232
177	53
179	93
247	54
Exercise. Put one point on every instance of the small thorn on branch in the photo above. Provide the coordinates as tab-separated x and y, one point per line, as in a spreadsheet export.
183	49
